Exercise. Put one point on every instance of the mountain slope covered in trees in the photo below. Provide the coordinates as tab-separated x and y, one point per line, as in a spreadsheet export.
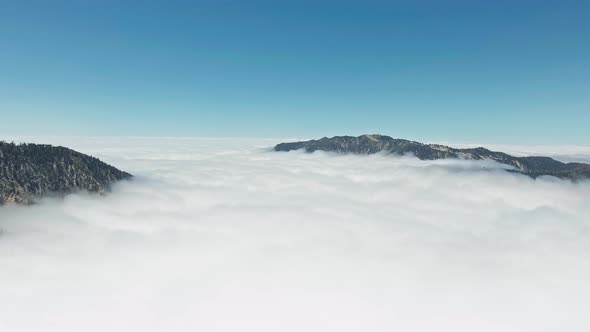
32	170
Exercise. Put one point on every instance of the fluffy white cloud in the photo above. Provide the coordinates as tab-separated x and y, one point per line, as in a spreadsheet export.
225	235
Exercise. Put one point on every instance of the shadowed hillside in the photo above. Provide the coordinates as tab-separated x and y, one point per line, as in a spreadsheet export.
31	170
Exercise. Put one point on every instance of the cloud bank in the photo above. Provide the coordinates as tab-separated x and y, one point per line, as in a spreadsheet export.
224	235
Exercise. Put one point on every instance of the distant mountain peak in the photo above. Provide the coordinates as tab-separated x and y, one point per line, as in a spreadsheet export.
373	143
373	137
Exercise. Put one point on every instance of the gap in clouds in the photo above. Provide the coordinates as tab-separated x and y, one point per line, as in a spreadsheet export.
225	235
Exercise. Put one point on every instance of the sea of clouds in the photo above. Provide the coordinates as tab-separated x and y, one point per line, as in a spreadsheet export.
226	235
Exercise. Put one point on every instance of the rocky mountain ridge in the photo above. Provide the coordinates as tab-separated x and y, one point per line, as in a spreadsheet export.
28	171
368	144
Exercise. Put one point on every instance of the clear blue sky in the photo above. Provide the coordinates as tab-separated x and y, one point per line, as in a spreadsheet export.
469	71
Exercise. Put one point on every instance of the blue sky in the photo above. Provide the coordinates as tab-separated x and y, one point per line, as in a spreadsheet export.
463	71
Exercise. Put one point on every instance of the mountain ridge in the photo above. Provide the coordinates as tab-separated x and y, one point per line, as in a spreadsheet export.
533	166
28	171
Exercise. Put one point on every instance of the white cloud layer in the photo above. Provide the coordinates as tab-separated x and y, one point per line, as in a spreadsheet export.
224	235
